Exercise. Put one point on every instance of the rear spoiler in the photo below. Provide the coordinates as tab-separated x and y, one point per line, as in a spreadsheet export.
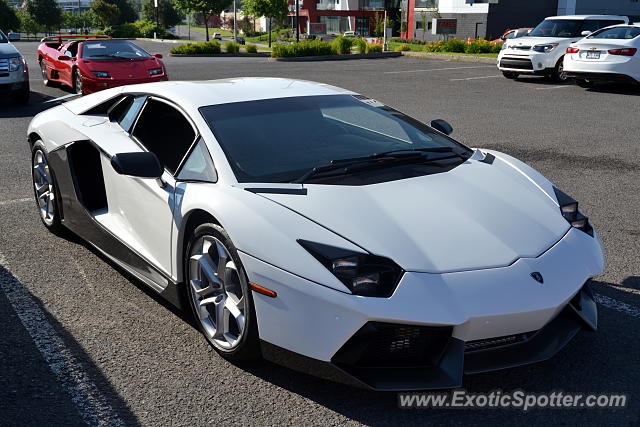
74	37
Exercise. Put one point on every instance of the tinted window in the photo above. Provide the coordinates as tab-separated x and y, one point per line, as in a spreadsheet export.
164	131
118	110
277	140
510	35
617	33
3	38
198	166
112	49
127	119
558	28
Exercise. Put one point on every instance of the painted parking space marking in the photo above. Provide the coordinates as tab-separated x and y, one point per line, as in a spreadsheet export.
438	69
474	78
15	201
92	405
620	306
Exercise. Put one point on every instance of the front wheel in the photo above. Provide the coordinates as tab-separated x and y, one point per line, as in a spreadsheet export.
510	75
45	74
219	295
45	189
558	75
77	82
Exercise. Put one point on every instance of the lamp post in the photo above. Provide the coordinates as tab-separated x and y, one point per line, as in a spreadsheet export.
235	31
297	20
155	35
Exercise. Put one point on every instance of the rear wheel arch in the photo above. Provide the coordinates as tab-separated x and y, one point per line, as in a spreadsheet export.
33	137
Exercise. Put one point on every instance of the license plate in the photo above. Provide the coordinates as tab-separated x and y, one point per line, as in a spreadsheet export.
593	55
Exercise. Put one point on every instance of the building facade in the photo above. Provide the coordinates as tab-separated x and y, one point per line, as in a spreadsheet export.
490	18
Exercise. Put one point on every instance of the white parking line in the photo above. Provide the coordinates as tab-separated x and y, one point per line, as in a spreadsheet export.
474	78
553	87
620	306
437	69
13	201
92	405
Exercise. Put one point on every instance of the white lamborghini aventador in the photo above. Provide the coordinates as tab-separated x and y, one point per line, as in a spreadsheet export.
321	229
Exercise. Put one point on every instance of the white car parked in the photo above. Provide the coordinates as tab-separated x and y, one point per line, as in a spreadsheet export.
320	228
611	54
542	51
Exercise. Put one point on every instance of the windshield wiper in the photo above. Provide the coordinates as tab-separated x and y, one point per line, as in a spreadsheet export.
400	153
375	161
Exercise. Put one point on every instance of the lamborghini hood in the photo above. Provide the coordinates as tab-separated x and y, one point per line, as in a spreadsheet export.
475	216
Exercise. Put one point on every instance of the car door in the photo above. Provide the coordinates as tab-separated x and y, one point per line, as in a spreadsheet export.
141	209
65	67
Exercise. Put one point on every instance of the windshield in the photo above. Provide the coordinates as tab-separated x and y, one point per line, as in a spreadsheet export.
558	28
112	49
617	33
3	38
278	140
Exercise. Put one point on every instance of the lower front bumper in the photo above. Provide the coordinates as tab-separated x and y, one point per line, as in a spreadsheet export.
96	85
440	360
14	88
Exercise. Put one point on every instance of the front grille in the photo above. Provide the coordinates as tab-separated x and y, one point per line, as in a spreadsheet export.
4	65
389	345
488	343
521	47
516	63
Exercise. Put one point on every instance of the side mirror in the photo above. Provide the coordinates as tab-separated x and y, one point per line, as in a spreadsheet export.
142	164
442	126
158	55
585	33
64	58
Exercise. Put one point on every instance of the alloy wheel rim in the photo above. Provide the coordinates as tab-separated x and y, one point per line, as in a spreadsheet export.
43	185
78	83
43	70
216	293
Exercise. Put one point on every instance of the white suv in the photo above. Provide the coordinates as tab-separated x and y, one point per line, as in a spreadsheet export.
542	51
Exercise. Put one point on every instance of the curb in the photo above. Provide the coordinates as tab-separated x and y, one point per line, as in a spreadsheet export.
221	55
450	57
338	57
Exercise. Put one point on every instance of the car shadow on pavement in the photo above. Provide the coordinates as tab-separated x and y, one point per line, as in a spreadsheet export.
594	362
44	369
37	103
616	89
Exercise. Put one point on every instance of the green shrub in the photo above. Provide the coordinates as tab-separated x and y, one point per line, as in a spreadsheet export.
232	47
210	47
342	45
360	45
146	28
478	46
402	48
434	46
374	48
304	48
454	45
124	31
251	48
496	47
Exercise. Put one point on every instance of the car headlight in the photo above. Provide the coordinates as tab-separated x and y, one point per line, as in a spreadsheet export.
504	46
14	64
570	212
155	71
364	274
101	74
544	48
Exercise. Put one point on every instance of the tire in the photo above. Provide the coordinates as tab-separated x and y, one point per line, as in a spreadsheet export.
230	300
77	82
45	75
45	189
510	75
558	75
584	83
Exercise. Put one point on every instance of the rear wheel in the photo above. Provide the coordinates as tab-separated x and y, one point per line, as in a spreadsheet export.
510	75
45	188
584	83
219	295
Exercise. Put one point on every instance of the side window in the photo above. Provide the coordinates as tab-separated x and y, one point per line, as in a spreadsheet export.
510	35
120	108
198	166
127	119
164	131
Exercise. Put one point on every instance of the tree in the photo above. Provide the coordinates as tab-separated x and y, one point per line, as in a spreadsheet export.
45	12
272	9
168	15
28	25
8	18
106	13
71	19
206	8
126	11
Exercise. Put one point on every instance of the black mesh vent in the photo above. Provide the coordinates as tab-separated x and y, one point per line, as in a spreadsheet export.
485	344
389	345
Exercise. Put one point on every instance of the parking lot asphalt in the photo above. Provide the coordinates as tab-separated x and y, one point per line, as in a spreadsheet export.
83	343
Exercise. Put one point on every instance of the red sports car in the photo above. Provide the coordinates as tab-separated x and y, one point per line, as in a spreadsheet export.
91	63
